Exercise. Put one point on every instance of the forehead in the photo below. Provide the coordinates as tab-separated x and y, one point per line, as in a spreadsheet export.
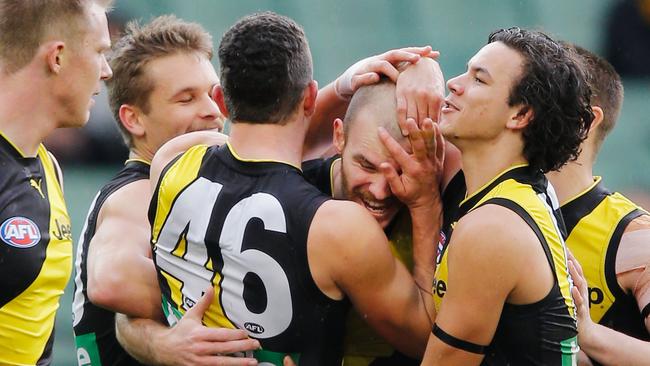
363	135
500	61
181	71
97	25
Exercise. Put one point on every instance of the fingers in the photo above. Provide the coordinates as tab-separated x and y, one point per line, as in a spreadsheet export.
394	148
440	143
579	282
404	55
229	347
223	334
401	113
288	361
197	311
394	182
422	51
434	105
229	361
364	79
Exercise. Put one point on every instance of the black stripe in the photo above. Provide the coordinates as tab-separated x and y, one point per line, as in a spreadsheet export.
646	311
582	206
522	174
458	343
612	250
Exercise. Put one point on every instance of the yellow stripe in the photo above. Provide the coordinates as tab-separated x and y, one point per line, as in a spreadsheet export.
26	322
491	181
234	153
182	173
137	159
589	241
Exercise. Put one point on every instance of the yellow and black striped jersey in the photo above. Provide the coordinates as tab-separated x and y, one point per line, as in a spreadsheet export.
596	220
94	326
241	226
542	333
35	254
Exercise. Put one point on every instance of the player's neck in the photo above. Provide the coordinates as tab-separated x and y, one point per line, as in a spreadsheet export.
254	141
483	162
23	124
571	180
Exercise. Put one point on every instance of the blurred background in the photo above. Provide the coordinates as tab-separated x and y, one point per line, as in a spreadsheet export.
342	31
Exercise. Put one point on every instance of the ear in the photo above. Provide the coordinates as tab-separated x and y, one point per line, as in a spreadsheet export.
130	119
309	101
339	135
599	115
520	120
218	97
54	56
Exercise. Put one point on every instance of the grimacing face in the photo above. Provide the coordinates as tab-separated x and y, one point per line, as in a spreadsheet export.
180	101
362	180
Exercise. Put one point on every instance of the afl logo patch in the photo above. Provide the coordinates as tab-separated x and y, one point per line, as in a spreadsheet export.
20	232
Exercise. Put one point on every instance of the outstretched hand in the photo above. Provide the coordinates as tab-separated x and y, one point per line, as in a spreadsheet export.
417	182
369	70
192	343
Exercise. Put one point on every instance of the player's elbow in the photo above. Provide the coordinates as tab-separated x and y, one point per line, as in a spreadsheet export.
105	290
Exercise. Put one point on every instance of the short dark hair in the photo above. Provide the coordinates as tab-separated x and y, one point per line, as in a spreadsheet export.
265	67
554	86
164	36
606	90
24	24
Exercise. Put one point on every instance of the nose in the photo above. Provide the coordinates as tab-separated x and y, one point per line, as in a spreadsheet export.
379	188
106	72
210	111
454	85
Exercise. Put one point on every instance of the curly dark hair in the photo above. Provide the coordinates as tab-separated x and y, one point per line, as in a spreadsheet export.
554	85
265	67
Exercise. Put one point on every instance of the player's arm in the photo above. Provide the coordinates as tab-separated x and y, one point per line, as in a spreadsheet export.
332	100
483	271
600	343
179	145
633	264
121	273
187	343
347	260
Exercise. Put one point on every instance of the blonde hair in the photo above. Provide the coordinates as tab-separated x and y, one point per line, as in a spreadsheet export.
163	36
24	24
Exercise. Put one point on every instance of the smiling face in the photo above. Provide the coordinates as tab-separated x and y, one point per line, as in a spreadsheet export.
362	151
180	101
86	67
477	105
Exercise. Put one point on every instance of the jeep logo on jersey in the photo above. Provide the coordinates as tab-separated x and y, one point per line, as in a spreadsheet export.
254	328
20	232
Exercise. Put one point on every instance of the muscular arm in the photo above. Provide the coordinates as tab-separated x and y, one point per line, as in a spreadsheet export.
359	264
187	343
633	262
121	274
489	238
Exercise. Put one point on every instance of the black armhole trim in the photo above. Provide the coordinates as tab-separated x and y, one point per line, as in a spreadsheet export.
646	311
531	223
582	206
458	343
612	249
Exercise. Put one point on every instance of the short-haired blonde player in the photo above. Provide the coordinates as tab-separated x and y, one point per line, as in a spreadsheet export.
51	64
